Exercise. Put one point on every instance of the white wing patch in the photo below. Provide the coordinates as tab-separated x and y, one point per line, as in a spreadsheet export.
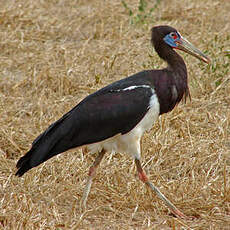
133	87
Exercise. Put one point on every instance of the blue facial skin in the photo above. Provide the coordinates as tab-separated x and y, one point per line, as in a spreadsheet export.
171	40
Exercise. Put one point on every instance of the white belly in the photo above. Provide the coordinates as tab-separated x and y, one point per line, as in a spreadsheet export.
130	142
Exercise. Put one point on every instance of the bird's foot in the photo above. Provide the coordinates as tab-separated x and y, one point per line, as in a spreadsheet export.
86	192
176	212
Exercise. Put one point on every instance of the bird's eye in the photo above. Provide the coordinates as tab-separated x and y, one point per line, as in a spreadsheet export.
173	35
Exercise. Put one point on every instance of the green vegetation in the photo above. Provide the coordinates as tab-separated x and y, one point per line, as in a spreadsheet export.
144	13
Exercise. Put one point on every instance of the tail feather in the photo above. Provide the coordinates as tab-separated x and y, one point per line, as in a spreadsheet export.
48	144
23	165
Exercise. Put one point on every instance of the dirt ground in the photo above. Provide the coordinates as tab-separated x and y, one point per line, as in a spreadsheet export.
54	53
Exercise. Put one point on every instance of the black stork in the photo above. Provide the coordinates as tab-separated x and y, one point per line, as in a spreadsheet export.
115	117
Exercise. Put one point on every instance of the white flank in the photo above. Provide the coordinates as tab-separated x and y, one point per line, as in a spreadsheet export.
130	142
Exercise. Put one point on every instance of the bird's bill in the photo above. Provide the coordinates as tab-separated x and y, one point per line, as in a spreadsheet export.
189	48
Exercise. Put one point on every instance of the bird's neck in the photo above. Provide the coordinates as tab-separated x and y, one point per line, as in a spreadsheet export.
174	60
178	68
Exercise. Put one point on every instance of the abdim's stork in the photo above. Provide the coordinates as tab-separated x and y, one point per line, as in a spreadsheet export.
115	117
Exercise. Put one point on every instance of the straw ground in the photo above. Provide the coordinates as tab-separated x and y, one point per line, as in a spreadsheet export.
54	53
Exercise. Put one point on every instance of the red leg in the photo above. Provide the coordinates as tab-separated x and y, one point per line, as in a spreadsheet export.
168	203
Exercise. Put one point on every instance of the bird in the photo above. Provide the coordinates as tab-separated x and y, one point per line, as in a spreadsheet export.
114	118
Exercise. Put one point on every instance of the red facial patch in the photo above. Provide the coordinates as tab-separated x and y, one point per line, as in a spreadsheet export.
175	36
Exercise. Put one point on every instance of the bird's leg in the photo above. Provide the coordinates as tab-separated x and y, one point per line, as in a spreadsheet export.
145	179
92	173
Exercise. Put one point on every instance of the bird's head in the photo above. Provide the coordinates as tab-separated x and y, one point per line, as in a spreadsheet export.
171	37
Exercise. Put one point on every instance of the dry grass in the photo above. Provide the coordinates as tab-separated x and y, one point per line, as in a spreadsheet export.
54	53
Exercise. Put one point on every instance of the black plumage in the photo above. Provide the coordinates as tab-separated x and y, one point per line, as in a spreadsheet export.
119	108
99	116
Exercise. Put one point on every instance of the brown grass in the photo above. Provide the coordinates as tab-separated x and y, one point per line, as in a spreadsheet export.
54	53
